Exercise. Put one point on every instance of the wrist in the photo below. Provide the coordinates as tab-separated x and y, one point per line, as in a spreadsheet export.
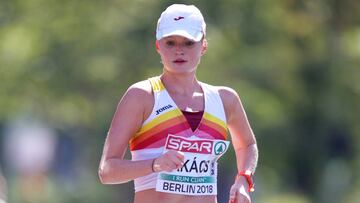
248	175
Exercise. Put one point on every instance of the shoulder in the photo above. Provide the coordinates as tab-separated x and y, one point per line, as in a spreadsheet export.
140	89
228	96
231	101
227	92
139	93
138	99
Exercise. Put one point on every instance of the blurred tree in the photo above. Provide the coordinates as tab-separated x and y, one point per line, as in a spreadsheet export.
294	63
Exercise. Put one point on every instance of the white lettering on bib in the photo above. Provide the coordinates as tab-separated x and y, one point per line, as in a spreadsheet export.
198	175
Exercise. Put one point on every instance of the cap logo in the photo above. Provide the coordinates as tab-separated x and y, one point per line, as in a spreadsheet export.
178	18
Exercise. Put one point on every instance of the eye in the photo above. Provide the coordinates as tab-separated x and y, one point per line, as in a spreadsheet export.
189	43
170	43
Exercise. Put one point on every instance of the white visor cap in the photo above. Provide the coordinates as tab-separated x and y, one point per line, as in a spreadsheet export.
182	20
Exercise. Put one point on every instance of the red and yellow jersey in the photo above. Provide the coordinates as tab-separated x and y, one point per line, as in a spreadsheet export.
166	118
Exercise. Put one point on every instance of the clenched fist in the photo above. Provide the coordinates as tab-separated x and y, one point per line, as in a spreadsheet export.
169	161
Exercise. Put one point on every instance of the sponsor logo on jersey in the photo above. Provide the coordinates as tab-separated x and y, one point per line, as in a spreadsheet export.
219	148
163	109
200	146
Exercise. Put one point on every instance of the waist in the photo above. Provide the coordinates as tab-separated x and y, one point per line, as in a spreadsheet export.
151	195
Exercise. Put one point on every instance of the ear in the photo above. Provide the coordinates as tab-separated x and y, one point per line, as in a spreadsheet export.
157	46
204	46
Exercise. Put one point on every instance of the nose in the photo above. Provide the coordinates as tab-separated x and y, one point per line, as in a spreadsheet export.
179	49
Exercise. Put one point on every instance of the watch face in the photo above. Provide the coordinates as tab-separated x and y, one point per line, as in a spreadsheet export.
248	172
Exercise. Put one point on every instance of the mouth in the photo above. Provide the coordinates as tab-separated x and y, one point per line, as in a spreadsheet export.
179	61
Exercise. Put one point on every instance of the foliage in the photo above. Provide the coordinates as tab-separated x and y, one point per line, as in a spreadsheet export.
294	63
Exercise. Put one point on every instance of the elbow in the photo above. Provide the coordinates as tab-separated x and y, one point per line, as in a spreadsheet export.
107	177
103	176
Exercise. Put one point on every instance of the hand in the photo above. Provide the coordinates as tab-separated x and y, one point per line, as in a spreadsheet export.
169	161
239	192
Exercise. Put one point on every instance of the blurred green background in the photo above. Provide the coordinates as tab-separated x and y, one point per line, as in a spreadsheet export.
64	65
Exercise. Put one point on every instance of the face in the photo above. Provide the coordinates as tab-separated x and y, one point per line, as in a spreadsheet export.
180	54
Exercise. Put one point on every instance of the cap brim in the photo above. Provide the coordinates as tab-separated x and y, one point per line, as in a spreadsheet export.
192	34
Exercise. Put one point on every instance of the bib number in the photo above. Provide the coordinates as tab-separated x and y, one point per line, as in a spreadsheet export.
198	174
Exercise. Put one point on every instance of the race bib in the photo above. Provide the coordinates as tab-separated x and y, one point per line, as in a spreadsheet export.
198	174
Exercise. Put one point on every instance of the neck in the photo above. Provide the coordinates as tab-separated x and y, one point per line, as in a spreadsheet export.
182	84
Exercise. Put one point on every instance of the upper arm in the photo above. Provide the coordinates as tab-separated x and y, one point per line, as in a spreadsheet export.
132	110
240	130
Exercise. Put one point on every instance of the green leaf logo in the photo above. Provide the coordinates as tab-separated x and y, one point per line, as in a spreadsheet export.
219	148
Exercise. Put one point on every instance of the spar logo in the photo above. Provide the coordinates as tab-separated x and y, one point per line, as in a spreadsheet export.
200	146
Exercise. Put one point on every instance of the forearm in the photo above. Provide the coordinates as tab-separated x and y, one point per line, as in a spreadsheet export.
116	171
247	158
